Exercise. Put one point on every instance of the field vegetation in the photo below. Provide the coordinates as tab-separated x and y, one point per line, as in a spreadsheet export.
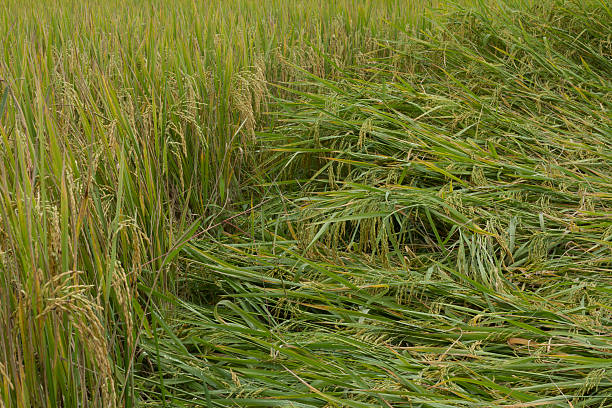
306	204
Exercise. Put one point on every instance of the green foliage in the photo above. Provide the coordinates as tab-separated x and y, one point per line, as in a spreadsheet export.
294	204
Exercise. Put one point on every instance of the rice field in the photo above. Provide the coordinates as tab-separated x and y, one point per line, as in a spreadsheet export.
306	204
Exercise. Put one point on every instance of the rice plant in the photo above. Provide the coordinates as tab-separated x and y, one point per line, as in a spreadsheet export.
300	204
